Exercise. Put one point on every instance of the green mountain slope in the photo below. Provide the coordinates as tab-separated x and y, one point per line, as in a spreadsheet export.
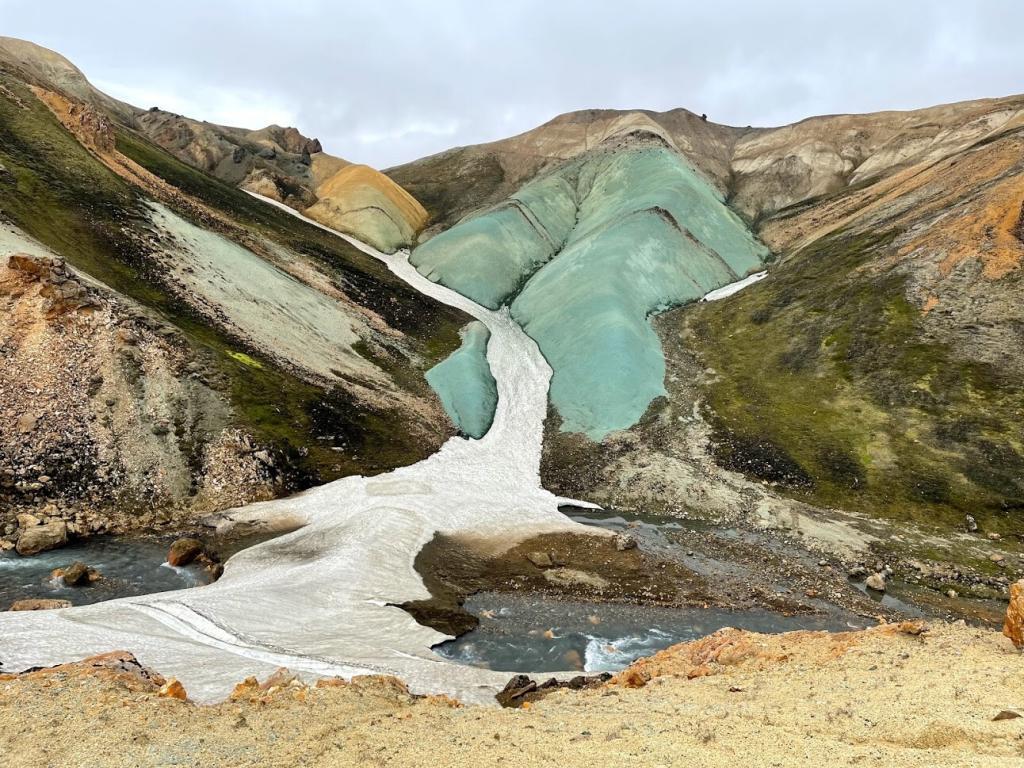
169	251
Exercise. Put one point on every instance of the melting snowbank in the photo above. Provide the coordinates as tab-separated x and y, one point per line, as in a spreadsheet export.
728	290
318	600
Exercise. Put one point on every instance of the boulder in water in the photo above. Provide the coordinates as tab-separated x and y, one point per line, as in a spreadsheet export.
78	574
875	581
184	551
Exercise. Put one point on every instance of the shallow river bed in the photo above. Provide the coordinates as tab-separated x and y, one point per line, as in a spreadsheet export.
128	566
538	633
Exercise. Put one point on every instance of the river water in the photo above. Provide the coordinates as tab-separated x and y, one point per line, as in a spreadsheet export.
129	567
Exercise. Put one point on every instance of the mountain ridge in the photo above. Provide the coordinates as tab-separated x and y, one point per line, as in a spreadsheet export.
274	161
237	352
711	146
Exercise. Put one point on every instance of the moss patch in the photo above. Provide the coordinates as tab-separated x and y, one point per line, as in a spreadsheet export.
827	386
244	359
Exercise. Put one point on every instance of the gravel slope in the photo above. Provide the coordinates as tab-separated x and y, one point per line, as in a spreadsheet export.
878	697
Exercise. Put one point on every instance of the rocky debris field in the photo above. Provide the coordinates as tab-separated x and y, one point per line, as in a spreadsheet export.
103	411
898	695
560	565
675	561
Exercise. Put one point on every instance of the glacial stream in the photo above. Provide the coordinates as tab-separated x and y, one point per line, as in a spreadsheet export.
321	599
129	567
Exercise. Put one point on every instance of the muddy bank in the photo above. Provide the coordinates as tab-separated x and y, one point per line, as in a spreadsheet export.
582	567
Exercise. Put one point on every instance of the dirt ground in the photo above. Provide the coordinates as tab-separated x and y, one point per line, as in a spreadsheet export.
879	697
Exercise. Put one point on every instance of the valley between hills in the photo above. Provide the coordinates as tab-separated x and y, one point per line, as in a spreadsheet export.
681	441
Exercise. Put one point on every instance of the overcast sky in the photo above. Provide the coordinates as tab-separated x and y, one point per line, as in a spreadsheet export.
390	81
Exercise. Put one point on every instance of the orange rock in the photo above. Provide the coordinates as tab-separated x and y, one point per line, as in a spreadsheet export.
245	689
384	685
172	689
39	604
702	671
915	627
632	677
1013	627
281	678
332	682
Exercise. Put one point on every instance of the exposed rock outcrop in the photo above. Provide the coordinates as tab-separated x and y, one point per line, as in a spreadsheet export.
269	158
90	126
64	293
1013	627
89	390
367	204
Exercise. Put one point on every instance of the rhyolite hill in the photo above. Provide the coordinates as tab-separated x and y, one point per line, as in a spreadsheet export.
584	255
171	345
876	369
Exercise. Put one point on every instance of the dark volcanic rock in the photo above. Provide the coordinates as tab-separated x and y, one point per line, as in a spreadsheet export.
521	688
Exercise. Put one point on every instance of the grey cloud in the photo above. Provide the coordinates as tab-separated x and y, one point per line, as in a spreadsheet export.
394	81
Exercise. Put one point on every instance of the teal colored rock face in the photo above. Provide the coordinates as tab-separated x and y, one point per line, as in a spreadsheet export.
465	257
465	385
584	256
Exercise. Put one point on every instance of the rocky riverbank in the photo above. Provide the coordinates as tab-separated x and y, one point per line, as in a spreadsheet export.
642	565
895	695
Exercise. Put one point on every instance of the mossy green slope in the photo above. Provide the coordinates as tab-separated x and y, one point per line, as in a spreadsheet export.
584	256
827	384
57	192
